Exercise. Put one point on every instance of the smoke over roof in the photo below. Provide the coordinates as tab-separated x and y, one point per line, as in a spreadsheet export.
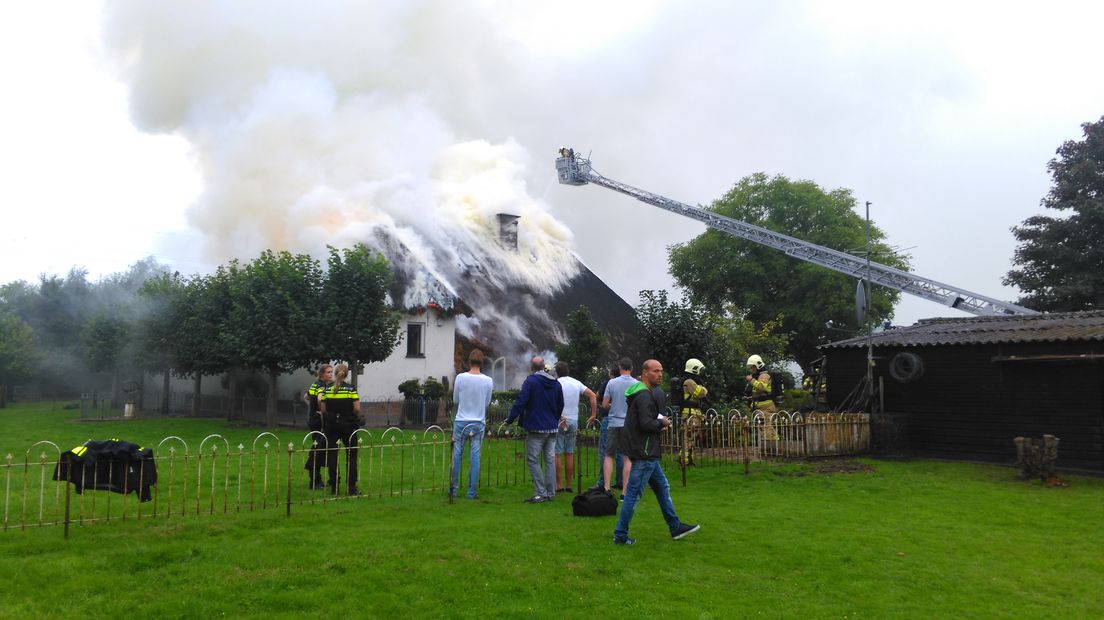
316	127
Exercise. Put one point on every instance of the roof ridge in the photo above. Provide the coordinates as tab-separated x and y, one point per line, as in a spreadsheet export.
1080	326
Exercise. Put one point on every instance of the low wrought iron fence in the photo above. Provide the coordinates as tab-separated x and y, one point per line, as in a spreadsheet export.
737	437
272	473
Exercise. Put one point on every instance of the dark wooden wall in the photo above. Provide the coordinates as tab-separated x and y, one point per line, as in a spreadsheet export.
968	406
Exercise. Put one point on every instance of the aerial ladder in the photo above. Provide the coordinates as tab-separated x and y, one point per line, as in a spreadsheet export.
575	170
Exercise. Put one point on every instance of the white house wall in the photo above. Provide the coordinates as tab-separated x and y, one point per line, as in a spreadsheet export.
380	380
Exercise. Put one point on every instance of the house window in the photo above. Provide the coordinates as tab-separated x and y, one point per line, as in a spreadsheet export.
415	345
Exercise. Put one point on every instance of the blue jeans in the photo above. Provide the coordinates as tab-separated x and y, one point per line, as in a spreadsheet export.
473	432
650	472
536	445
602	449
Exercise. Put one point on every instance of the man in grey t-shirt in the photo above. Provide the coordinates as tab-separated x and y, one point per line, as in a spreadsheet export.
614	398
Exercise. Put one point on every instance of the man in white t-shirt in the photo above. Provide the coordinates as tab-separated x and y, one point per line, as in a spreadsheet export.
573	390
472	393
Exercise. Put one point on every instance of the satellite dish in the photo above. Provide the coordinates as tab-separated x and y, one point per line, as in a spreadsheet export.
860	304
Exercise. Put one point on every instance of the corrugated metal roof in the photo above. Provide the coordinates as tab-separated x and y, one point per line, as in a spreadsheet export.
1053	327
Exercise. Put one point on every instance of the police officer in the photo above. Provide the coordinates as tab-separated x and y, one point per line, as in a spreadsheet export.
317	454
340	405
694	396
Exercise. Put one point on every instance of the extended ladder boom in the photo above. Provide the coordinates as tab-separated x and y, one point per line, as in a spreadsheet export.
575	170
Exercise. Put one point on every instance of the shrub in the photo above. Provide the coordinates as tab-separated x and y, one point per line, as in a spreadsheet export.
433	389
796	399
410	389
505	395
430	389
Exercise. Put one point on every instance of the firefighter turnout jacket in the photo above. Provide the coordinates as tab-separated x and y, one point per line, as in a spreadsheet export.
693	396
109	465
761	390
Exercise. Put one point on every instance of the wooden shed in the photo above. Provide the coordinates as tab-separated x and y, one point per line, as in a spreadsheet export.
965	387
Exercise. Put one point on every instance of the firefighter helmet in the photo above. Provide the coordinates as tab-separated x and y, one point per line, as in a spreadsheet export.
694	365
756	361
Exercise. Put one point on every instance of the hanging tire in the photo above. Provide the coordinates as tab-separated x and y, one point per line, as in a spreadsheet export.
906	367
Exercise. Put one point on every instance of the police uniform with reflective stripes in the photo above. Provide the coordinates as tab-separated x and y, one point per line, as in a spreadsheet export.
338	423
317	456
314	415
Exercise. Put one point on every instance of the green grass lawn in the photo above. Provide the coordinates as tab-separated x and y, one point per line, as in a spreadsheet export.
920	539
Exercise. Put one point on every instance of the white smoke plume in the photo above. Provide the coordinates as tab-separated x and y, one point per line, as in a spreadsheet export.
336	123
326	122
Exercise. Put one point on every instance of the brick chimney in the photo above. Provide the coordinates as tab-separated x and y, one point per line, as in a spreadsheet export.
507	231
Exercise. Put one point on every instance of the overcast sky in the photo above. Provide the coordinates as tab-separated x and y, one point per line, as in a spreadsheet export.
129	128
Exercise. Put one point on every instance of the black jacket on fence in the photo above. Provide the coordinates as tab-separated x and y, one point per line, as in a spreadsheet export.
109	465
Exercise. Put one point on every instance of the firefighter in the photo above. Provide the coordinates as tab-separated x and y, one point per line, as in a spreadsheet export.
694	396
760	393
818	384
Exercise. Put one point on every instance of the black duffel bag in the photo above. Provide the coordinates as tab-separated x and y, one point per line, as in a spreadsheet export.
594	503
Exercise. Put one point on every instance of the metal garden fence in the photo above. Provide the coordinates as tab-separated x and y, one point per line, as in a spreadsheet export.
270	472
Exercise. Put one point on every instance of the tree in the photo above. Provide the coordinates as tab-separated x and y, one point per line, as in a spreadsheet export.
19	354
677	331
104	340
57	310
763	284
158	327
673	332
204	344
62	309
361	325
1060	261
734	339
586	344
274	317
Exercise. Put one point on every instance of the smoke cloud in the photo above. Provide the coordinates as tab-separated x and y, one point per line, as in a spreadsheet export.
327	122
330	123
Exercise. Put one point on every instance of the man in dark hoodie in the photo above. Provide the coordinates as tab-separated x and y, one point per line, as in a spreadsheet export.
540	404
640	442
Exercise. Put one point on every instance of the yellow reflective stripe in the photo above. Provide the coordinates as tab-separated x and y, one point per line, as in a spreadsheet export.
79	450
339	396
343	392
760	389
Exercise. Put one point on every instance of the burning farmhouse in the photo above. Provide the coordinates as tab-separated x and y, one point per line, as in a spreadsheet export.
465	297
